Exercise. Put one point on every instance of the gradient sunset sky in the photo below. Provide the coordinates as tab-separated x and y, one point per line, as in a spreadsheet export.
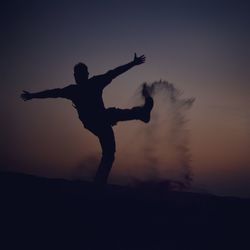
203	47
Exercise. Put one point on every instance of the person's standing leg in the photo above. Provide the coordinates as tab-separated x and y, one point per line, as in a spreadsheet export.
107	141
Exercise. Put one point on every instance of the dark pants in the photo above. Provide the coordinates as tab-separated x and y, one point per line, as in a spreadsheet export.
105	134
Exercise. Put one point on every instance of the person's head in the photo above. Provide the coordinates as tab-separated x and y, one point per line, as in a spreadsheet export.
81	73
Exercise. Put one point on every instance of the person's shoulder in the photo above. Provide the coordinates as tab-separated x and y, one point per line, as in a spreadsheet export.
101	78
94	81
95	77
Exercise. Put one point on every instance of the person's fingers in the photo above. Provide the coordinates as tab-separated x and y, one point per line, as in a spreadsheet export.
142	60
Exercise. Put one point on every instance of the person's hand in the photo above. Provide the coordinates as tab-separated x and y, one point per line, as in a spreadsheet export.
139	60
26	95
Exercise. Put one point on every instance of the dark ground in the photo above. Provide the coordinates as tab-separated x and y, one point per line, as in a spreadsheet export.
41	213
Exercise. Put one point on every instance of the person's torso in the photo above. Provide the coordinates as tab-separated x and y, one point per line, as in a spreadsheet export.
88	101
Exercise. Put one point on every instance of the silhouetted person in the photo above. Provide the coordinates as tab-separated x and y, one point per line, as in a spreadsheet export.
86	96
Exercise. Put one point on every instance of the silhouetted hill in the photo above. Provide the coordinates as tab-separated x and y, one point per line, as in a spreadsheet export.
41	213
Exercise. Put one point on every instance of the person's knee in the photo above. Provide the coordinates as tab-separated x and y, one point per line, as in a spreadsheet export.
109	151
108	156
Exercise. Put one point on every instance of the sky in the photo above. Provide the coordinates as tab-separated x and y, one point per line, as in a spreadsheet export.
202	47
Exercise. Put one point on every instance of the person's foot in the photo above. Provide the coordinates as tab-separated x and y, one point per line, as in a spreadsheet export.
149	103
145	90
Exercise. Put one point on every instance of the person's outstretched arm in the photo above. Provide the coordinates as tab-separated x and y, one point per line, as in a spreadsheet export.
122	69
51	93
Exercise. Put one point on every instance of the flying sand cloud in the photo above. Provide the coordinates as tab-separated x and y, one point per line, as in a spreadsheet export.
167	133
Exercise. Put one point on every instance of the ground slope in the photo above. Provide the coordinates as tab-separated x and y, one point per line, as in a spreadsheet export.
41	213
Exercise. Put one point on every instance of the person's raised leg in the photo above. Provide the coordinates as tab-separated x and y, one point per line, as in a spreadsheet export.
149	103
107	141
136	113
